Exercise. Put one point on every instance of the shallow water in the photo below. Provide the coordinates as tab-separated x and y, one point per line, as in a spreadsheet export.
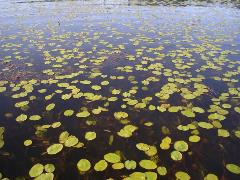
154	61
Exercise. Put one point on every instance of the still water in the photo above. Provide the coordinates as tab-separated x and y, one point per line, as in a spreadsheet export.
119	90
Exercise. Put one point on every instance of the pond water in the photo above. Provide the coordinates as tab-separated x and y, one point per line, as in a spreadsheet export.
119	90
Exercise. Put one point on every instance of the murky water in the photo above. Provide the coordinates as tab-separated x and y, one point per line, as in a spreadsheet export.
121	90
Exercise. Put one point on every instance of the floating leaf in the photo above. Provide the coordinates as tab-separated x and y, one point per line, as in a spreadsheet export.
71	141
181	146
90	135
68	112
83	114
101	165
176	155
147	164
162	171
205	125
233	168
118	166
180	175
45	176
112	158
137	175
188	113
54	149
120	115
35	117
36	170
194	138
50	107
83	165
130	164
27	142
223	133
151	175
49	168
210	177
21	117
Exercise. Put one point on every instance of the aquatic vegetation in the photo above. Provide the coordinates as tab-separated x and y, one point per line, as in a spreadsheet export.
83	165
119	91
112	158
100	165
147	164
181	146
54	149
233	168
36	170
162	171
180	175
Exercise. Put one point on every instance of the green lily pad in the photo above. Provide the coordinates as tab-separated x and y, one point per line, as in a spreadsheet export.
112	158
35	117
49	168
205	125
71	141
237	109
130	164
194	138
27	142
101	165
223	133
180	175
50	107
137	176
68	112
181	146
63	137
83	165
233	168
142	146
147	164
83	114
45	176
21	117
188	113
162	171
54	149
90	135
210	177
151	175
118	166
36	170
120	115
176	155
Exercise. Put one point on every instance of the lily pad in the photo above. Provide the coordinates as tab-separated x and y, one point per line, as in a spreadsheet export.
54	149
90	135
162	171
210	177
233	168
147	164
101	165
176	155
49	168
71	141
112	158
180	175
83	165
36	170
45	176
181	146
130	164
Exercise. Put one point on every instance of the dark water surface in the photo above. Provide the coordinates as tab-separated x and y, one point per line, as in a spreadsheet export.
140	71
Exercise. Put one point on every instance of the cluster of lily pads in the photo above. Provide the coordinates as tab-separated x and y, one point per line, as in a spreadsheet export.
143	97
